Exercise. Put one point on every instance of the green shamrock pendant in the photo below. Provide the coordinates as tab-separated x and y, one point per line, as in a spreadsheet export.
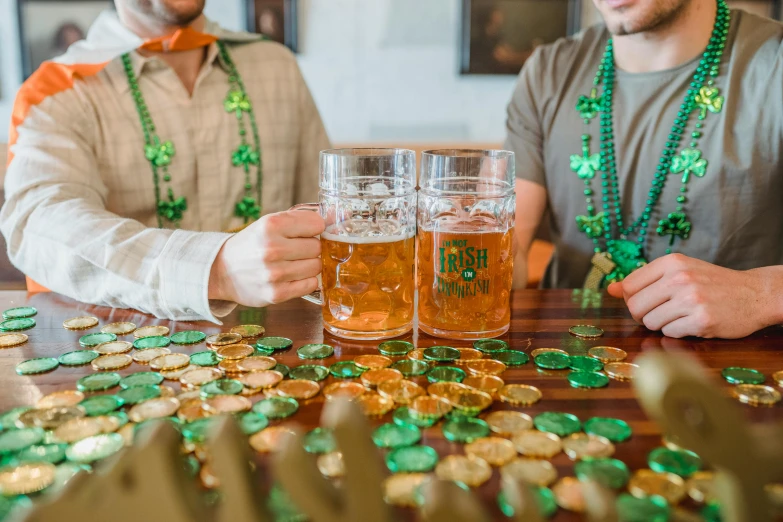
245	156
627	256
689	162
173	209
709	99
160	154
237	102
589	106
676	224
592	226
247	209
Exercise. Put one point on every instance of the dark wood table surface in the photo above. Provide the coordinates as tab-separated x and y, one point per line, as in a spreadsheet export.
539	319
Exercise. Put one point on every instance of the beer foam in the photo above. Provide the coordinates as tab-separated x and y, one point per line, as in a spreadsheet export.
365	240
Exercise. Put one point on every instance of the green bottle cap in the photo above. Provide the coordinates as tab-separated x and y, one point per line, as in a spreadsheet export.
154	341
308	372
121	417
263	351
94	339
98	382
51	453
319	440
139	393
579	379
511	357
101	404
17	325
441	354
221	387
446	374
197	431
396	435
411	367
395	348
65	472
188	337
274	343
252	422
17	440
610	473
490	345
646	509
345	370
315	351
561	424
8	419
94	448
737	375
412	459
208	358
586	364
20	312
276	407
545	499
282	368
615	430
78	358
464	429
403	416
552	361
711	512
38	365
139	378
680	462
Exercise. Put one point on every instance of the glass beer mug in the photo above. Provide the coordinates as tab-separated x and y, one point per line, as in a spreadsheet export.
368	200
465	261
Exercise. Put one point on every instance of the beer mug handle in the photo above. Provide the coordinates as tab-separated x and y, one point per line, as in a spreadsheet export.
314	297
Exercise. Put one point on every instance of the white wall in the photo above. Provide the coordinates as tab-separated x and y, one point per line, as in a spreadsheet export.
380	70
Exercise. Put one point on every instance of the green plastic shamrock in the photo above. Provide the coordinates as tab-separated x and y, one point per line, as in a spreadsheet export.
627	256
585	165
245	156
247	208
173	209
160	154
468	275
237	102
689	162
676	224
709	98
589	106
593	226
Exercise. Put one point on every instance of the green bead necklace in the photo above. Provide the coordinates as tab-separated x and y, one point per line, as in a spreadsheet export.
160	153
616	256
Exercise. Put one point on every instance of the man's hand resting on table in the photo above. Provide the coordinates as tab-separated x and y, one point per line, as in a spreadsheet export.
275	259
682	296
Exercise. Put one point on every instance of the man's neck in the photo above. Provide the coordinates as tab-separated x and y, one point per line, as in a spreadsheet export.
668	46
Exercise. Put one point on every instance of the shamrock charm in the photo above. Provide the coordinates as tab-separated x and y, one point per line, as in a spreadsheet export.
689	162
160	154
676	224
247	208
245	156
586	165
627	256
589	106
709	98
593	226
237	102
173	209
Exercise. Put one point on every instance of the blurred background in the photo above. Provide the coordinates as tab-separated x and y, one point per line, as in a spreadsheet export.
412	73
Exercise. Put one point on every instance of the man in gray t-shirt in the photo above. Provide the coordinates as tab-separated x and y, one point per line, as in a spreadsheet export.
659	133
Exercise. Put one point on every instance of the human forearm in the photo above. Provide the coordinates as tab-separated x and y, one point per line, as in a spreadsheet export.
770	281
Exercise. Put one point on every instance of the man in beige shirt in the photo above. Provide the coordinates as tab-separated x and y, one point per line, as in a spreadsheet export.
650	148
136	154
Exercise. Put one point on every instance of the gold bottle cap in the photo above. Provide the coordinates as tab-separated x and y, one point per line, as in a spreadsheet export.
537	444
372	378
569	495
444	389
199	376
777	376
471	471
249	330
77	429
220	404
756	394
154	409
401	489
223	339
300	389
60	399
646	482
230	366
8	340
538	472
607	354
80	323
123	328
506	423
416	354
177	373
375	405
112	362
271	439
50	418
169	362
485	367
235	352
468	354
701	486
538	351
345	390
145	356
400	391
470	401
620	371
255	363
127	433
494	450
519	394
331	465
372	362
151	331
167	391
260	380
580	446
487	383
26	478
113	347
192	409
430	407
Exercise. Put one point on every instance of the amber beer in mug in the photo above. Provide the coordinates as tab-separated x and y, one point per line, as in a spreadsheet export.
465	262
368	199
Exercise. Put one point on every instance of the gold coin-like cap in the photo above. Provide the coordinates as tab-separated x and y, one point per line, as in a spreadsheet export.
145	356
485	367
400	391
701	486
646	482
538	472
123	328
777	376
154	409
260	380
580	446
112	362
372	378
607	354
372	362
445	389
430	407
538	351
470	400
192	409
344	390
26	478
50	418
301	389
471	471
113	347
401	489
569	494
60	399
172	361
249	330
537	444
756	394
84	322
620	371
331	465
177	373
255	363
223	339
487	383
196	377
235	352
519	394
495	450
375	405
506	422
151	331
77	429
230	366
8	340
220	404
271	439
416	354
468	354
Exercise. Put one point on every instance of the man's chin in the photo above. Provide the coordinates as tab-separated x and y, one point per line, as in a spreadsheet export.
181	12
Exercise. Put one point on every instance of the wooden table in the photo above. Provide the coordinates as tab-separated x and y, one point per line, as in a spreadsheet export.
539	319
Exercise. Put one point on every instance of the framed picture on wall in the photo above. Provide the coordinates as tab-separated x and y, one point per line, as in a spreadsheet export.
275	19
47	28
498	36
768	8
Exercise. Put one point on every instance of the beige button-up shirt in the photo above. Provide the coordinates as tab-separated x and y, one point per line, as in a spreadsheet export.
80	214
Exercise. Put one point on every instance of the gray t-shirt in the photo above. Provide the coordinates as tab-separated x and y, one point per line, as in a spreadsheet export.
736	209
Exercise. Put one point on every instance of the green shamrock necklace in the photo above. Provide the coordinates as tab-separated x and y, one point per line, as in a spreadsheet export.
160	153
616	254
